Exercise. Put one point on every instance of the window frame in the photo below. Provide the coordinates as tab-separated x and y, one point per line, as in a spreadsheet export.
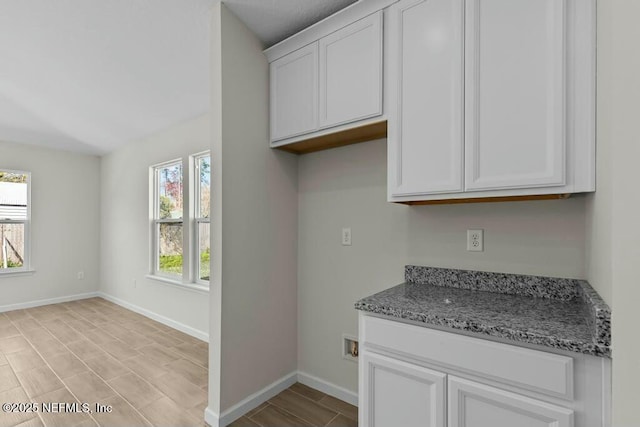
190	277
26	261
197	219
155	221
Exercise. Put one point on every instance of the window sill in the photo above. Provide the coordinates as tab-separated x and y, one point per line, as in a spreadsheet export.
17	273
179	284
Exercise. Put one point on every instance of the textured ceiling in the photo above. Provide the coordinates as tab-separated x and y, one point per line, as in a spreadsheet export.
275	20
92	75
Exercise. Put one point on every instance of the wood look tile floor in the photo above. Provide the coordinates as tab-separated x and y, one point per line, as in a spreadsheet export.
301	406
94	351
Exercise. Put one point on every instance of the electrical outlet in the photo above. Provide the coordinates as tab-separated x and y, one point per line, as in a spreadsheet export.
475	240
350	348
346	236
80	275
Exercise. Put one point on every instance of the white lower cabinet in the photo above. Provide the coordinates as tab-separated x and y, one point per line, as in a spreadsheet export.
414	376
398	393
473	404
401	394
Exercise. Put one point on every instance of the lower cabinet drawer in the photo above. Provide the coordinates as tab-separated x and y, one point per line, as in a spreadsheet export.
533	370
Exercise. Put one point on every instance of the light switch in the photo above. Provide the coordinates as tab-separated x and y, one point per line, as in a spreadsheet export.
346	236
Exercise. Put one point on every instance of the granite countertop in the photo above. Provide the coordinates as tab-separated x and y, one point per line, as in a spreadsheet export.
565	314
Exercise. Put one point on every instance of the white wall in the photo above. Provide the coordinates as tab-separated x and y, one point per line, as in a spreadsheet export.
254	300
65	210
613	211
125	224
346	187
599	208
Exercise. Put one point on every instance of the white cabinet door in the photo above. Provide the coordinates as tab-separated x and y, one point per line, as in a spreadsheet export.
294	93
515	94
395	393
426	130
351	72
476	405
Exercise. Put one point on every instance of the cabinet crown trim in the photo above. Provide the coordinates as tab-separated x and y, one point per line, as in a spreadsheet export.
338	20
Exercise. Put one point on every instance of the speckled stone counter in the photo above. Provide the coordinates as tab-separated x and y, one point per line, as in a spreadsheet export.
566	314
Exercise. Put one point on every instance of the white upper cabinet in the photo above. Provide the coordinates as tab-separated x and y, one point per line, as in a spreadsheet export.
490	98
351	72
426	98
294	93
327	81
515	93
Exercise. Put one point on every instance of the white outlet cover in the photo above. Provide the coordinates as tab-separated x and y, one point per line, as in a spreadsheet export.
475	240
346	236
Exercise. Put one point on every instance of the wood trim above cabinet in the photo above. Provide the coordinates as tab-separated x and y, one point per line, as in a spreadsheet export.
368	132
487	199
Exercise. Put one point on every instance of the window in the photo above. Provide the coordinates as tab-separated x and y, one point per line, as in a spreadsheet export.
168	214
14	221
180	243
202	179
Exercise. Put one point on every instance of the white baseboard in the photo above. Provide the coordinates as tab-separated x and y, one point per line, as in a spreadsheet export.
328	388
251	402
211	418
256	399
48	301
157	317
